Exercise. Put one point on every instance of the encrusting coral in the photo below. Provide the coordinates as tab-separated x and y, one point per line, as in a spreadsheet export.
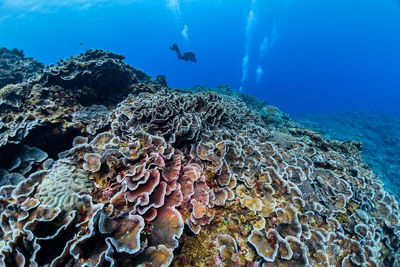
185	178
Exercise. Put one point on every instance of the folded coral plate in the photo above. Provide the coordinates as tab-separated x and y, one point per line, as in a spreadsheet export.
101	165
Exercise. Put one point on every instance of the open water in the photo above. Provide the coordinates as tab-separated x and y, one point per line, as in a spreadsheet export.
300	55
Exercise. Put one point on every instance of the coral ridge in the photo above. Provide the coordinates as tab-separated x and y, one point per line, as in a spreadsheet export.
155	176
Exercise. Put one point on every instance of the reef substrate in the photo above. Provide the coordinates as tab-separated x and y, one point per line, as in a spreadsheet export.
101	165
379	134
15	67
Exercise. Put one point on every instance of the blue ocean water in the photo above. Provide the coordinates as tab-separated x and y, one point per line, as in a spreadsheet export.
300	55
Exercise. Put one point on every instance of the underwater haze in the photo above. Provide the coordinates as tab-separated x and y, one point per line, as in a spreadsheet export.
301	55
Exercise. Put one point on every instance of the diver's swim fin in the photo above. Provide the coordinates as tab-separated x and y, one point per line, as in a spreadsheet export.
174	47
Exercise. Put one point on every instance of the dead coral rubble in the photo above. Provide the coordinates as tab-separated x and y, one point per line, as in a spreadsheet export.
189	179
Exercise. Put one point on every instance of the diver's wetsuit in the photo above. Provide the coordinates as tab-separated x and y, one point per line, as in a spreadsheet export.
188	56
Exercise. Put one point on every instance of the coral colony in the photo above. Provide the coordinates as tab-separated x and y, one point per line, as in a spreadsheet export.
379	134
101	165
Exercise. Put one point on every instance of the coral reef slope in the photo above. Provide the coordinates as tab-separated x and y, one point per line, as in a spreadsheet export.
379	134
15	67
101	165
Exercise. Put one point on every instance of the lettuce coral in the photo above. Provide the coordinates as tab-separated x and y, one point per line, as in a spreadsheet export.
176	177
14	66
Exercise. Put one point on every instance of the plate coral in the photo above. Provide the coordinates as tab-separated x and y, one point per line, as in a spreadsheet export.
105	166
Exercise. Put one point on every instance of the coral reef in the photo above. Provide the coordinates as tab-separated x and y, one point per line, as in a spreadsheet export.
379	134
80	90
152	176
62	187
271	115
15	67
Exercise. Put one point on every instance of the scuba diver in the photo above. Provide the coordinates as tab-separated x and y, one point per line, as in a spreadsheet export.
188	56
